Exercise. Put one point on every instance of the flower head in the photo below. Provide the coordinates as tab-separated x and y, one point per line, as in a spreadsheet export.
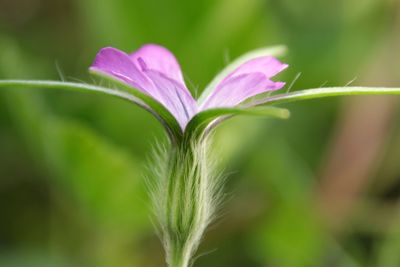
154	71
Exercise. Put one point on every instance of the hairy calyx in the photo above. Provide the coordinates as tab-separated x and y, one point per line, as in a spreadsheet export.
186	196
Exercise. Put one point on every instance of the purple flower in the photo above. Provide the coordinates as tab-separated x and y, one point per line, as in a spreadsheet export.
154	70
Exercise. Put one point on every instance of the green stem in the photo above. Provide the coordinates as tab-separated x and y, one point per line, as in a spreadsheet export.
186	200
179	258
181	208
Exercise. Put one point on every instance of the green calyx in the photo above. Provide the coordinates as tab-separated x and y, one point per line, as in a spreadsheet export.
185	195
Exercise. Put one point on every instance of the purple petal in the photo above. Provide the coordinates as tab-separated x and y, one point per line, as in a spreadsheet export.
267	65
155	57
239	88
154	71
174	96
115	63
250	79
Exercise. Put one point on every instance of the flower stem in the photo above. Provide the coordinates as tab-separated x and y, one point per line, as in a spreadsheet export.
179	258
185	200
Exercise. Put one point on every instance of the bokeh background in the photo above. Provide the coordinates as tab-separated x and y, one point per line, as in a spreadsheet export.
319	189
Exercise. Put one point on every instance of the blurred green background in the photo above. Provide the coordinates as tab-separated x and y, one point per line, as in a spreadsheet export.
320	189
